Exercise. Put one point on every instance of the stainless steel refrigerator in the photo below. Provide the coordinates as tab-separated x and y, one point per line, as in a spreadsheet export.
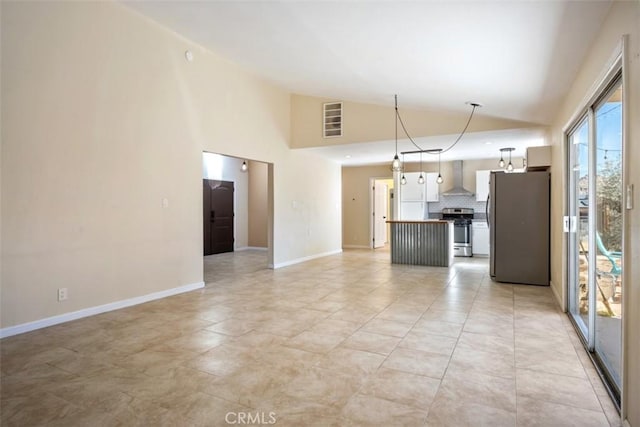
518	216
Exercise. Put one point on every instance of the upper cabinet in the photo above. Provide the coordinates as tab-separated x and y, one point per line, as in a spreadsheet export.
433	188
482	185
412	191
539	158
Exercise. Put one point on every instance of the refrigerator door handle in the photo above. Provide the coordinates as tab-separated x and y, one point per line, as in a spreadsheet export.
486	210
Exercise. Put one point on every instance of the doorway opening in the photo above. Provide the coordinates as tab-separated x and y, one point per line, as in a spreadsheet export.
381	206
237	210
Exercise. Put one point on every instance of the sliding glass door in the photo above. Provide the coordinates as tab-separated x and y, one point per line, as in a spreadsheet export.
579	217
608	231
594	227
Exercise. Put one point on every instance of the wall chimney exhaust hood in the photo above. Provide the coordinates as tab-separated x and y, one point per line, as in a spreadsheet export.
457	189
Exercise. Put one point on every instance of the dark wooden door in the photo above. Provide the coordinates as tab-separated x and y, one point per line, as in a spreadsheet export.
217	216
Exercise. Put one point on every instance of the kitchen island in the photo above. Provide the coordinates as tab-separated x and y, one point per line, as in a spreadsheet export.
422	242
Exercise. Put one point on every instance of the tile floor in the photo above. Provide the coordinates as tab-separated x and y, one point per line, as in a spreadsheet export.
343	340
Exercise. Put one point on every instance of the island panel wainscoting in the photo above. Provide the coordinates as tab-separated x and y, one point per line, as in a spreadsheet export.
422	242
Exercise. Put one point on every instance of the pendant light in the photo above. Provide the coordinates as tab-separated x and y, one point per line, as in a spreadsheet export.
439	180
244	167
403	180
395	164
420	150
421	178
509	167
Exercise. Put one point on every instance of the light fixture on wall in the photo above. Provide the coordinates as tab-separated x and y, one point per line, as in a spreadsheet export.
395	164
403	180
244	166
501	163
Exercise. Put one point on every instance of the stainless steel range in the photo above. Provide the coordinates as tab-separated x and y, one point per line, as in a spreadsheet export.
462	219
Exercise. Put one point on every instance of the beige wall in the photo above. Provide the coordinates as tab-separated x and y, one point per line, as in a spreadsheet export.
624	18
103	118
367	122
258	204
356	202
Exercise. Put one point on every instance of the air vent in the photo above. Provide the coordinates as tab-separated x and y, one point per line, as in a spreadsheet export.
332	119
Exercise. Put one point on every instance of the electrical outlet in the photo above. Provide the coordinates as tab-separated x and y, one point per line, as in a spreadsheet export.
63	294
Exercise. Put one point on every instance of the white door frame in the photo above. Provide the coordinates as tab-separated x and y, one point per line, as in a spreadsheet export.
372	183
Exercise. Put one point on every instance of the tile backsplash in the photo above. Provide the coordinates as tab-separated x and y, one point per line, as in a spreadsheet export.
456	202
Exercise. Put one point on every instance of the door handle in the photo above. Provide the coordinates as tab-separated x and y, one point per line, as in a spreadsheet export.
569	224
486	210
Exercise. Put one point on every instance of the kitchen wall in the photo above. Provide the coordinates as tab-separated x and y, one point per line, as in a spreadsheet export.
623	18
456	202
103	119
356	193
469	168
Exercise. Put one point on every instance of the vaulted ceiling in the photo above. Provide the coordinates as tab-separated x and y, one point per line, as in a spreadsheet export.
518	58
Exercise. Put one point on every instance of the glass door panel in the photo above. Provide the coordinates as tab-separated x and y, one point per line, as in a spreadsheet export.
579	220
608	233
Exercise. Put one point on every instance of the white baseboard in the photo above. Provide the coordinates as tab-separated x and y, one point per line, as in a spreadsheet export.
355	247
303	259
92	311
558	297
251	248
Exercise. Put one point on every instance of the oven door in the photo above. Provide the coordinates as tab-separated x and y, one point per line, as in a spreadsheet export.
462	240
461	234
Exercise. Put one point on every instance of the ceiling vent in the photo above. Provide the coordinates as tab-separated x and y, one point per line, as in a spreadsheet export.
332	119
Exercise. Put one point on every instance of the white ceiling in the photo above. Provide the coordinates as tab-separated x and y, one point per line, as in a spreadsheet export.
518	58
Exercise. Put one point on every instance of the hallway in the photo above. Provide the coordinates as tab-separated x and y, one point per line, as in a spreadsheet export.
343	340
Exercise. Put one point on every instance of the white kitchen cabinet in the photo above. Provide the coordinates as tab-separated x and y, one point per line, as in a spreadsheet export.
482	185
539	158
432	187
480	238
412	211
412	191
